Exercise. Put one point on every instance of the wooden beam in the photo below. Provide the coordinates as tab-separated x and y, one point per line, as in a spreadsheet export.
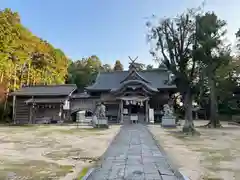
133	60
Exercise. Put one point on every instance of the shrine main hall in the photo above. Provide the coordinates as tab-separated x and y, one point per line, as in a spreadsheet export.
130	92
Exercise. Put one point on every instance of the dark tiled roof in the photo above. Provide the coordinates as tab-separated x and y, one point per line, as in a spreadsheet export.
45	100
112	80
80	95
137	74
46	90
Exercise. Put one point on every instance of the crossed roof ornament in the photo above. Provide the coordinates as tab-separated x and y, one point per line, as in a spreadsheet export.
132	60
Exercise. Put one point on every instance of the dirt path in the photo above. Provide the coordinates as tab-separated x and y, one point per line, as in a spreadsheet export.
213	155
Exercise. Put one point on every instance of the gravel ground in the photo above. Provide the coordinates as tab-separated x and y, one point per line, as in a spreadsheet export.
215	154
50	151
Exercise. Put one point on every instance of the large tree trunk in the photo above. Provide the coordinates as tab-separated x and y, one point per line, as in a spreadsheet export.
188	126
214	121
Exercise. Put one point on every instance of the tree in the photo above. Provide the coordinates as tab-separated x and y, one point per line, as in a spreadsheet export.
174	39
26	59
83	72
107	68
162	65
149	67
139	66
238	40
211	55
227	82
118	66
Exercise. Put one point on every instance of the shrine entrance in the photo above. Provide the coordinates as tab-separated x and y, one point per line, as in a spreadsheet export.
137	108
134	109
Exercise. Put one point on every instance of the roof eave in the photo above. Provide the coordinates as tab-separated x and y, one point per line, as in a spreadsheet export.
94	89
130	74
37	95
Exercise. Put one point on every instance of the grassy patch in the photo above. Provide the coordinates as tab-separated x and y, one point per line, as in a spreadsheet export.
219	155
93	129
63	153
72	131
2	141
215	155
183	136
83	173
211	178
22	125
35	169
93	160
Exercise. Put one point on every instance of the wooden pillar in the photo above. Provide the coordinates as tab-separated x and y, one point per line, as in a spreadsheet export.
30	108
146	111
61	112
121	111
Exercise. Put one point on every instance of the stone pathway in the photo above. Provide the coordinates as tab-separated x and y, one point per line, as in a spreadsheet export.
134	155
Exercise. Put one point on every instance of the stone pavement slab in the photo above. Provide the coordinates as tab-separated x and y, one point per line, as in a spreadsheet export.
134	155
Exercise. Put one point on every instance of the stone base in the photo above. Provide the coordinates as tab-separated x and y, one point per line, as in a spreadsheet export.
168	121
101	123
103	126
151	121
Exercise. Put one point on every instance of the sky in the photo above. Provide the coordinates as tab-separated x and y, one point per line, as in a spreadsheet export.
110	29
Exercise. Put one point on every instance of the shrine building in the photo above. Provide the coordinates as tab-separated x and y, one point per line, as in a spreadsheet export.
123	93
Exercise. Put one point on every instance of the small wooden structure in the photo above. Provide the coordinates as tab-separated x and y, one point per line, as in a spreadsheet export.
42	104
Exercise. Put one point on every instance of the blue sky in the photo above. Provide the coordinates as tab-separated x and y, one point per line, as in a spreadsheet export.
110	29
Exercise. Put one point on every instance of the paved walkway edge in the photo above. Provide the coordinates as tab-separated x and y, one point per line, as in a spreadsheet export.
171	164
88	174
104	154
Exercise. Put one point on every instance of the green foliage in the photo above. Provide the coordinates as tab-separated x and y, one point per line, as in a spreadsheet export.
26	59
107	68
149	67
210	49
118	66
192	47
83	72
139	66
173	39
